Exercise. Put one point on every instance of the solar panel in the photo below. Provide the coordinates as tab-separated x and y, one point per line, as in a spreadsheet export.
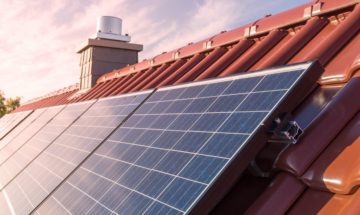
20	128
13	122
17	142
57	161
184	144
33	147
4	120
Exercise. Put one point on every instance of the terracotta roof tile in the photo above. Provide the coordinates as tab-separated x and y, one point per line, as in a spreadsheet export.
337	169
337	113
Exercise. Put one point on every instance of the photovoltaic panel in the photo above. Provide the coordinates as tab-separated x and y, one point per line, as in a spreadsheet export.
178	146
17	142
20	128
15	120
57	161
4	120
7	120
33	147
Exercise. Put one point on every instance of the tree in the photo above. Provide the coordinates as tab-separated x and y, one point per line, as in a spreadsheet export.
2	104
12	103
8	104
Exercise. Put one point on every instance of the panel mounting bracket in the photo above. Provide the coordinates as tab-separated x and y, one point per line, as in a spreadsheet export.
284	131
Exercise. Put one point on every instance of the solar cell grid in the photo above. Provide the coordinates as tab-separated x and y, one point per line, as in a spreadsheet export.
5	120
13	134
17	142
33	147
14	120
165	157
57	161
9	118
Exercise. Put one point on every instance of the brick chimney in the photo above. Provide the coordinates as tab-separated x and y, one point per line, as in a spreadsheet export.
106	50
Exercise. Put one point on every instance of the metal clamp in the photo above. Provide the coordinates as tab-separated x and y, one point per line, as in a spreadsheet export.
289	133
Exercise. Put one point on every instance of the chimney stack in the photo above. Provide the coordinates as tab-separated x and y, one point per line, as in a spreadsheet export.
106	50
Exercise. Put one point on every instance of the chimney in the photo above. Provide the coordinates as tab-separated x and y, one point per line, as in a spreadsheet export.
106	50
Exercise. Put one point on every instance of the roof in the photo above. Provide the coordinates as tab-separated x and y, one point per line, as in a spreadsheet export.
320	173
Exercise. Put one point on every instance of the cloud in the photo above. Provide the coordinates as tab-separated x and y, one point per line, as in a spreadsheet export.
39	37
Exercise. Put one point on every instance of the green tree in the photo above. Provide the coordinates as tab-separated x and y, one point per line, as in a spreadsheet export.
2	104
8	104
12	103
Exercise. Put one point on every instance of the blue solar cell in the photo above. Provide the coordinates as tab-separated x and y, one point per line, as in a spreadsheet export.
163	121
160	107
148	137
131	136
51	207
94	190
279	81
264	101
168	139
173	162
209	122
87	202
120	133
116	170
223	145
150	157
178	106
242	122
132	153
199	105
134	204
133	176
144	122
97	209
181	193
226	103
191	92
109	168
118	149
172	95
160	209
145	108
203	168
192	141
214	89
133	121
184	122
115	194
242	85
158	96
154	183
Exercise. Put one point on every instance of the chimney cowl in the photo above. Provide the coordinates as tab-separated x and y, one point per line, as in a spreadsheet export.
110	27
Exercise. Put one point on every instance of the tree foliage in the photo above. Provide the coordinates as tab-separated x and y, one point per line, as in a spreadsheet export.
8	104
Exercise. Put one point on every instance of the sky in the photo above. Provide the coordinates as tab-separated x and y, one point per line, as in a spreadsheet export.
38	38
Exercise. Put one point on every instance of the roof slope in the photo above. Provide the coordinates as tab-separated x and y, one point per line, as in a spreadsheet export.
320	173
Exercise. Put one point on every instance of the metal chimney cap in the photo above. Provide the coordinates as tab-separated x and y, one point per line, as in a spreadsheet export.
110	27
